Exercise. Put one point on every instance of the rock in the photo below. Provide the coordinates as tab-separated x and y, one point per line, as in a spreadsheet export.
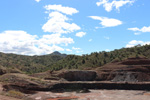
85	90
23	83
78	75
129	70
2	70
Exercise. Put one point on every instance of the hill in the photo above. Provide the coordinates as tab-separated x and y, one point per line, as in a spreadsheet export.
29	64
98	59
58	61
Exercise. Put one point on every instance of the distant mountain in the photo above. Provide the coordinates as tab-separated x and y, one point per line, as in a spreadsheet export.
58	54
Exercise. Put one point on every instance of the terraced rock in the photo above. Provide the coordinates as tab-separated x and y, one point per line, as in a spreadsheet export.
130	70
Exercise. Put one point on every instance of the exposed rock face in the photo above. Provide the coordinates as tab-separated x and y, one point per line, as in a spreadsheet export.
2	70
102	85
130	70
136	61
78	75
23	83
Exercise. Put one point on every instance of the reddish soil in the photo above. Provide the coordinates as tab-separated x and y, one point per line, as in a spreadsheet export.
94	95
64	98
129	70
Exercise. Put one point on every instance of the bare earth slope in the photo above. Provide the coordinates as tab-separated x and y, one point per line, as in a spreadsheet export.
130	70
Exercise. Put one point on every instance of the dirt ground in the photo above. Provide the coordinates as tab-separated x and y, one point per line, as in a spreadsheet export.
94	95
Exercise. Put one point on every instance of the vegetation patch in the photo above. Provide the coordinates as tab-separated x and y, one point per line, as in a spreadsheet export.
14	93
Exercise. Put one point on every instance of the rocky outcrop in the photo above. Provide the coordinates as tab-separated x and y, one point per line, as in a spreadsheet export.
78	75
136	61
4	70
73	86
130	70
23	83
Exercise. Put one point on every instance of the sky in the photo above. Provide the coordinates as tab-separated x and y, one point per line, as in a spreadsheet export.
39	27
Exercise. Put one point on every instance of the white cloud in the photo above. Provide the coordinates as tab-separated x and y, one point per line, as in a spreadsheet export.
80	34
37	0
117	4
135	42
55	39
60	8
145	29
69	50
134	29
139	31
20	42
76	48
58	22
107	22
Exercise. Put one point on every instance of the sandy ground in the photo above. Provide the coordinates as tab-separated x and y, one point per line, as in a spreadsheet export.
94	95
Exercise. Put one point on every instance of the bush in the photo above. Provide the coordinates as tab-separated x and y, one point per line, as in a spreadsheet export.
15	94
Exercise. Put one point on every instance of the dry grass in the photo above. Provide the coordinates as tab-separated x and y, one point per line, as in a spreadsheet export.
15	94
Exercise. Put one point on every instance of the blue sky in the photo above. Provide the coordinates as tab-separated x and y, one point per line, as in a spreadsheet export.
38	27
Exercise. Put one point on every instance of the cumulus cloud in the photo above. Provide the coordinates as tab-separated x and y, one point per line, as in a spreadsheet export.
60	8
80	34
135	42
58	22
138	31
107	22
20	42
37	0
114	4
55	39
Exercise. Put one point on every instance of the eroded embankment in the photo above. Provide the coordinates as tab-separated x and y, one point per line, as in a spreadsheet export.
101	85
